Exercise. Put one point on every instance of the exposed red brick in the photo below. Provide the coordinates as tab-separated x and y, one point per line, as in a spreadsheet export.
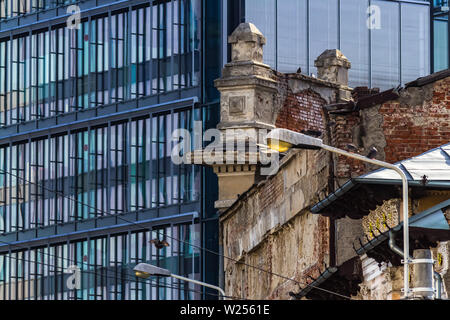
409	130
301	111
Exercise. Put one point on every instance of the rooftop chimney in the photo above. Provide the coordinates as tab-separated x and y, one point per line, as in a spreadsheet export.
247	43
333	66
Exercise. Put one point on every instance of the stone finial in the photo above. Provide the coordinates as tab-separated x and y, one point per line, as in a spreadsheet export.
333	66
247	43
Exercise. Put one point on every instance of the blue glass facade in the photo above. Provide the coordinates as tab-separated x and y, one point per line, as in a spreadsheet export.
86	117
387	42
13	8
125	55
86	121
441	30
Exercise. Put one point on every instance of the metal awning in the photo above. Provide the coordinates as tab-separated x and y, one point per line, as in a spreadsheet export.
343	280
358	196
425	230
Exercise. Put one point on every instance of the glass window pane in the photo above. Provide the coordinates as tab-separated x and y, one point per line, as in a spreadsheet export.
415	41
292	35
262	14
355	40
385	46
323	29
440	44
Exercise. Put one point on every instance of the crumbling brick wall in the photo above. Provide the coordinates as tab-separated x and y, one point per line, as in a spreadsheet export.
344	131
300	103
271	228
416	121
301	112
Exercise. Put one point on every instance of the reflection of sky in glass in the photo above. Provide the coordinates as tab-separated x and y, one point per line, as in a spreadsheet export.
355	40
398	51
385	46
292	35
2	222
415	42
323	29
261	14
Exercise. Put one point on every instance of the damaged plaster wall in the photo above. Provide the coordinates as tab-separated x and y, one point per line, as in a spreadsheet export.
383	281
415	122
418	121
271	227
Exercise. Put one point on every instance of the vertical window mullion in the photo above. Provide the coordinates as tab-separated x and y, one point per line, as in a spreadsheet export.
127	58
23	185
109	40
108	168
150	161
9	227
9	274
172	27
170	142
10	80
47	72
97	185
150	58
89	173
127	157
29	73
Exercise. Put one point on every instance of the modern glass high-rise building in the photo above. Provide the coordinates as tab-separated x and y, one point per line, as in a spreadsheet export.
87	114
87	185
440	30
386	41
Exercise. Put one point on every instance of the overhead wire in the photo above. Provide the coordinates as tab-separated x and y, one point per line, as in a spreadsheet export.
137	280
174	238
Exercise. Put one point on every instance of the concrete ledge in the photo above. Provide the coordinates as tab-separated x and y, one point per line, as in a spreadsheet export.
221	204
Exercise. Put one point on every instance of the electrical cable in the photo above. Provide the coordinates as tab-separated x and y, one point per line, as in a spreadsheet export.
120	278
173	238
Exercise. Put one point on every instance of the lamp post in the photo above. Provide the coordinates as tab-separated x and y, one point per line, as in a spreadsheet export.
283	139
145	270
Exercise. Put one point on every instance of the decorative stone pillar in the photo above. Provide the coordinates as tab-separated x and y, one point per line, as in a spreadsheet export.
247	86
333	66
247	96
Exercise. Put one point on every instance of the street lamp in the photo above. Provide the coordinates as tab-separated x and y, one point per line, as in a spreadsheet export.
145	270
282	140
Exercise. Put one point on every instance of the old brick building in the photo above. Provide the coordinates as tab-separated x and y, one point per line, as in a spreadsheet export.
275	233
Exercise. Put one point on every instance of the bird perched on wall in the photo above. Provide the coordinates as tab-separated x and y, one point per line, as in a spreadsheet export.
372	153
424	180
312	133
352	147
159	244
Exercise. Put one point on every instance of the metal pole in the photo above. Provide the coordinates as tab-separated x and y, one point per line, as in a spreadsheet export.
423	274
222	292
438	285
406	259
